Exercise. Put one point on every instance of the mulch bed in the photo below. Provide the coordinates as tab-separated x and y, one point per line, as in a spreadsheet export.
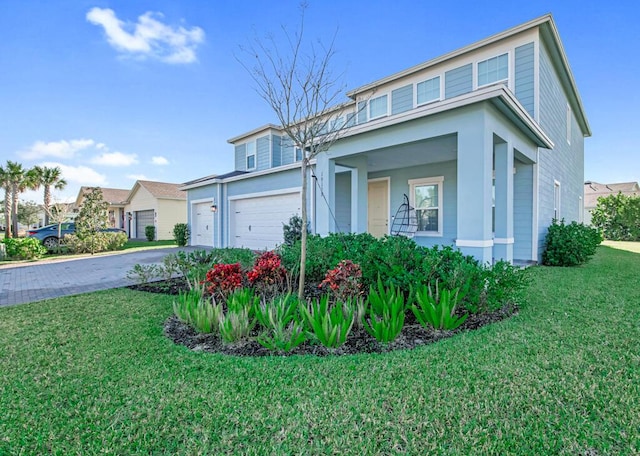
359	341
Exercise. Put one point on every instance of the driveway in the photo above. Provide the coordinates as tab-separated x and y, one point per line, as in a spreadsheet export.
24	283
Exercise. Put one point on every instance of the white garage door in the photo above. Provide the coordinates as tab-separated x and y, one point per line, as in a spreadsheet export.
256	223
202	233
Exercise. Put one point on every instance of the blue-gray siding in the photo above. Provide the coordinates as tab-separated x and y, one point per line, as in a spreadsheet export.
458	81
241	157
524	76
276	151
402	99
343	202
522	211
565	163
263	152
362	112
287	151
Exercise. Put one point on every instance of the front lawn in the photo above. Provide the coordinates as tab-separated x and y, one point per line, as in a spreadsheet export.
94	373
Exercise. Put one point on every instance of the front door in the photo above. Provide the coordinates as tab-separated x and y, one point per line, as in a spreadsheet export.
378	207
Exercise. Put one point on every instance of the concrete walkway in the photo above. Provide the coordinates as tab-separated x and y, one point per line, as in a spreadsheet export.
28	282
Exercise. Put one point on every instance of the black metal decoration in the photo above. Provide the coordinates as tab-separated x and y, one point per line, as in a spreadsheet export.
404	222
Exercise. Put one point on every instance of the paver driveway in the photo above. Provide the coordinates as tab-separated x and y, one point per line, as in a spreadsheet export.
50	279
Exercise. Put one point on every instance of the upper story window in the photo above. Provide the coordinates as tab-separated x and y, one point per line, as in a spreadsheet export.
493	70
428	90
298	154
378	107
251	155
426	198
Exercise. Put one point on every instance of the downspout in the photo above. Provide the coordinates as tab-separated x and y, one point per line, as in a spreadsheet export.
220	216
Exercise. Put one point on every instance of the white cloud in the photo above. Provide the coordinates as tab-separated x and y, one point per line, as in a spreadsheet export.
158	160
115	159
149	37
141	177
57	149
82	175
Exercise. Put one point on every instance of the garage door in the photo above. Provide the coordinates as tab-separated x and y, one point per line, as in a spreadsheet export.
143	218
257	222
203	225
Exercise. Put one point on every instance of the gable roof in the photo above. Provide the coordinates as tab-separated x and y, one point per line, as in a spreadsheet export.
113	196
594	190
161	190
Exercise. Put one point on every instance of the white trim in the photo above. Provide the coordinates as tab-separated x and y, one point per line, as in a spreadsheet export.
504	240
473	243
439	181
536	209
191	219
282	191
536	79
557	205
247	155
380	179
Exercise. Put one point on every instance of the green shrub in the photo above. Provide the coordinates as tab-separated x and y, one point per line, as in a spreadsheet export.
386	313
144	273
293	230
150	232
97	242
230	255
181	234
24	248
570	245
438	309
618	217
503	284
328	324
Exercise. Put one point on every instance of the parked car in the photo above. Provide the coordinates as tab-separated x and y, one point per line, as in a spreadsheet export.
48	235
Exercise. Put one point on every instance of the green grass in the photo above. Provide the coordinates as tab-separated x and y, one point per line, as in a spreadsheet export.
94	373
132	244
623	245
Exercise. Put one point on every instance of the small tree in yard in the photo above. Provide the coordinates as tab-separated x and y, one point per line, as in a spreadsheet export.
58	213
299	87
618	217
93	215
28	213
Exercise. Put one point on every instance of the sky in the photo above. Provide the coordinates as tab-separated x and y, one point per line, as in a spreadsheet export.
115	91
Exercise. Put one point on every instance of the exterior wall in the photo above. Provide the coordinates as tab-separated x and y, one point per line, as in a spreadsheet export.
523	211
142	201
276	150
287	152
402	99
263	152
343	202
565	163
169	213
458	81
524	76
241	157
399	182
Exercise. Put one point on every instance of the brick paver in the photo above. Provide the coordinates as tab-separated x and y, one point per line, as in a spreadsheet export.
22	283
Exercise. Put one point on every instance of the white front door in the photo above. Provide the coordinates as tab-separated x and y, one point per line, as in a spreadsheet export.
378	207
203	221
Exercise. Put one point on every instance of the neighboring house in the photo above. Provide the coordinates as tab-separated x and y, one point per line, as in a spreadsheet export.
159	204
487	141
595	190
117	199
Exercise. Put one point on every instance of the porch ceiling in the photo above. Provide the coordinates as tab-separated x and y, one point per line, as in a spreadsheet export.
432	150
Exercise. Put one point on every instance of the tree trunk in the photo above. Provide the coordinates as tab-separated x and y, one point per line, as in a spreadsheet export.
47	203
303	240
8	229
14	212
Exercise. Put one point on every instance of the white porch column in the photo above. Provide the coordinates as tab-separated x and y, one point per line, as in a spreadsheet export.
475	166
504	238
325	206
359	195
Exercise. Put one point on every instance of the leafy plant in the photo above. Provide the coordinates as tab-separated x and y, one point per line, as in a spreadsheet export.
24	248
144	273
181	234
618	217
243	299
223	279
438	309
329	324
95	242
283	331
344	280
267	274
93	217
194	309
293	230
150	232
504	283
570	245
386	312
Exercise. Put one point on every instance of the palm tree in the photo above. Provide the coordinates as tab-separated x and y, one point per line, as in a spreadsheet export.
5	183
49	177
20	180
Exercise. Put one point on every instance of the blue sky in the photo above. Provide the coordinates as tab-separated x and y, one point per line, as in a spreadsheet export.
80	90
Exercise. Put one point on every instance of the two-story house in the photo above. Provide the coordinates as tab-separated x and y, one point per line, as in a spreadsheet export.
486	141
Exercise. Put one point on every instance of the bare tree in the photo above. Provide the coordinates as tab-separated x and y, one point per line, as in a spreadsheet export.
297	83
58	213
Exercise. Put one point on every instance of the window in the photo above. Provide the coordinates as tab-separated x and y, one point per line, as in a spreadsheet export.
556	200
251	155
493	70
378	107
337	124
426	198
428	90
298	154
568	124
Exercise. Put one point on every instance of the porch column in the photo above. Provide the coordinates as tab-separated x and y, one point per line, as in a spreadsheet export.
359	190
326	184
475	166
504	239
